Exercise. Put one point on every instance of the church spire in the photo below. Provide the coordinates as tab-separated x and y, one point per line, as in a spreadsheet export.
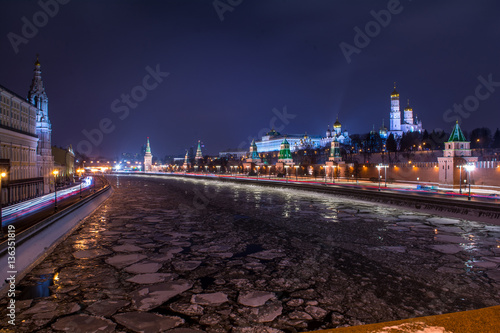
37	95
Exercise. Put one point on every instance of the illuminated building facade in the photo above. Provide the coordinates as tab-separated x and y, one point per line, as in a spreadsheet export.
148	158
408	124
25	142
456	155
199	155
64	162
253	156
341	136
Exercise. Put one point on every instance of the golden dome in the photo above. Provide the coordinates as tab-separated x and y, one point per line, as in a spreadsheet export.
337	124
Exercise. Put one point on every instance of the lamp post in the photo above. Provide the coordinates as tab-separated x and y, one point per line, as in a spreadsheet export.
470	167
333	173
296	170
460	190
380	166
379	176
326	172
80	171
55	173
3	174
286	172
385	175
257	171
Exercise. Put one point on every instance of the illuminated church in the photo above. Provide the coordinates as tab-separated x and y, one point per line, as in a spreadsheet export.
408	124
337	134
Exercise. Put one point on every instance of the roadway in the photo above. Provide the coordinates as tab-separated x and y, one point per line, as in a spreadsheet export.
27	213
420	189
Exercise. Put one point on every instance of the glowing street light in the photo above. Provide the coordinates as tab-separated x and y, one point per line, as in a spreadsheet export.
80	171
296	170
286	172
470	167
380	166
55	173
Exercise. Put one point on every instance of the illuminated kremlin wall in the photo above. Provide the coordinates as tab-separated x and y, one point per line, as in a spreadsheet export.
487	173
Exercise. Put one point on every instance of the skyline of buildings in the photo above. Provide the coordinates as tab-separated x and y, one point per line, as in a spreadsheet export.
25	142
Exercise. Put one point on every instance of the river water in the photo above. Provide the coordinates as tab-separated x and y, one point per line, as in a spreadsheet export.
221	257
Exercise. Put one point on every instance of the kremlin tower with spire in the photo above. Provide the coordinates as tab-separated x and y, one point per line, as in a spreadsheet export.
148	158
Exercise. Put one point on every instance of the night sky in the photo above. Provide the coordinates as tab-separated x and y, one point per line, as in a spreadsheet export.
226	76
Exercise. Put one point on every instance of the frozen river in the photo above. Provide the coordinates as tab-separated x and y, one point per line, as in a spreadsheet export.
221	257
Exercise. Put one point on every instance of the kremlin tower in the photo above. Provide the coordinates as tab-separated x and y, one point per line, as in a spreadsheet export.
199	156
148	158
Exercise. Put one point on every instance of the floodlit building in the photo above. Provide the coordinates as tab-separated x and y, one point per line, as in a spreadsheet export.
409	123
199	155
253	156
148	158
64	162
337	134
25	142
456	156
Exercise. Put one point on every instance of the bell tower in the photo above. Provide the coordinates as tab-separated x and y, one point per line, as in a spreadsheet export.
38	97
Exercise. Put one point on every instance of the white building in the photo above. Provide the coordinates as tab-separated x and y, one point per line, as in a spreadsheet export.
342	136
272	142
408	124
25	142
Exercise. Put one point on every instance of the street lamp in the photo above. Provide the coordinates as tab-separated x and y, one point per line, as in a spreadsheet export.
380	166
385	175
257	171
379	176
326	172
333	173
80	171
470	167
460	190
286	172
55	173
3	174
296	170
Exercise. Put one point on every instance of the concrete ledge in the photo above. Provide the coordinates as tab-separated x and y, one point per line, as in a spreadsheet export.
485	320
35	243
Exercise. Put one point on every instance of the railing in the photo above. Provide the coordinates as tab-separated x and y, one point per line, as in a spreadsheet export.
36	228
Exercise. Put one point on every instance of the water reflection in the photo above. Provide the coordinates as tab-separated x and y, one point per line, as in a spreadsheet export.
40	288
